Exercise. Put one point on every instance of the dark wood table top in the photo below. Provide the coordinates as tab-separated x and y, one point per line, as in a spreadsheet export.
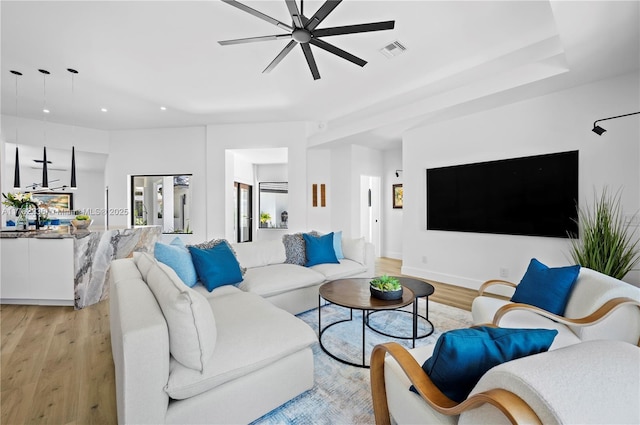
354	293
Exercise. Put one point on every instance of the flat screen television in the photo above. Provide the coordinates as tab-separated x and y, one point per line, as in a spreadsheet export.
534	196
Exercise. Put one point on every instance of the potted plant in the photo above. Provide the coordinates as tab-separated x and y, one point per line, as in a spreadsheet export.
265	217
386	288
607	242
82	221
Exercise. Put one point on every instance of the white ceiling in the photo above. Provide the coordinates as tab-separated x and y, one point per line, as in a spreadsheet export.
135	56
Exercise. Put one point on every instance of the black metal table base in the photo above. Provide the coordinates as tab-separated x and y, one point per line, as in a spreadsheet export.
365	324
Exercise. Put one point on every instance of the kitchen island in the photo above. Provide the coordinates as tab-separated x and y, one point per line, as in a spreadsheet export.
65	266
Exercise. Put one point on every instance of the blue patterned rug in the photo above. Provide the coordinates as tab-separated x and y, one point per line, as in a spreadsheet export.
341	394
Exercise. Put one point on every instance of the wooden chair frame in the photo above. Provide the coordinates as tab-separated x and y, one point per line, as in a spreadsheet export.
512	406
597	316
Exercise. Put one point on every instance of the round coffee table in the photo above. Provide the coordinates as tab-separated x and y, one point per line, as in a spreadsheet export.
420	289
354	294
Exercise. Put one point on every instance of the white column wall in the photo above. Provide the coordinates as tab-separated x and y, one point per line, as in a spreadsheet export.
556	122
158	151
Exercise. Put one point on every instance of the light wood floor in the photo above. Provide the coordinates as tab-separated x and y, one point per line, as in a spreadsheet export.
56	365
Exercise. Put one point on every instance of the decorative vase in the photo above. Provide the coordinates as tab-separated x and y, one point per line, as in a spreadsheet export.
22	221
385	295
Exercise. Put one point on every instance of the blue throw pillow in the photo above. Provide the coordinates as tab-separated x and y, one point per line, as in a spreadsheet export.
462	356
337	244
319	249
216	266
547	288
176	255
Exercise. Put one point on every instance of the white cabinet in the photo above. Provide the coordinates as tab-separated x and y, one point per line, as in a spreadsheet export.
37	271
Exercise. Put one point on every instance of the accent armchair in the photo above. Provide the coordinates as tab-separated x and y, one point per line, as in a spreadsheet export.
599	307
589	382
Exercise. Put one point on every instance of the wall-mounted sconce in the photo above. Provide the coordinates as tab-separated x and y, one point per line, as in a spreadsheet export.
398	173
599	130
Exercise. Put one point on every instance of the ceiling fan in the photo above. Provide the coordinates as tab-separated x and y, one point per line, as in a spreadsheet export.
303	31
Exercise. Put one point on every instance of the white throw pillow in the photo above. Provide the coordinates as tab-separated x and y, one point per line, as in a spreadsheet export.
192	327
353	249
144	261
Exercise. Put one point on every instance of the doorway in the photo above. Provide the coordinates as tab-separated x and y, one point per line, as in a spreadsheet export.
243	195
370	210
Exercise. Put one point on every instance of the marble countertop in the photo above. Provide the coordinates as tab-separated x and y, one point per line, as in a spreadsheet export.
61	232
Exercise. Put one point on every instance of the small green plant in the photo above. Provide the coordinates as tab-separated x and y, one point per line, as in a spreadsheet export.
82	217
607	242
264	217
386	283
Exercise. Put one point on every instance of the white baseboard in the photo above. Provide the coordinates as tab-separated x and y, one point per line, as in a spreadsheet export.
442	277
392	254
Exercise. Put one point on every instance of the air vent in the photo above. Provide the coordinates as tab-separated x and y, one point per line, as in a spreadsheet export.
393	49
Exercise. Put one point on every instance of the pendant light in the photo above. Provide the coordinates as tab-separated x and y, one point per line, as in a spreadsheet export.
16	171
45	175
72	185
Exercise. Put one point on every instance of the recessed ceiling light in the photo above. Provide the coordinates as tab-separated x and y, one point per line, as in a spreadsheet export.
163	108
46	111
103	109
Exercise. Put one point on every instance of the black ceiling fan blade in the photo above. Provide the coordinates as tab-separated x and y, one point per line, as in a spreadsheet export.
280	56
321	14
337	51
258	14
353	29
310	60
253	39
295	13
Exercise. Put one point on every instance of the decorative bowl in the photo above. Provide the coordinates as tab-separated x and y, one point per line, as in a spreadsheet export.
81	224
386	295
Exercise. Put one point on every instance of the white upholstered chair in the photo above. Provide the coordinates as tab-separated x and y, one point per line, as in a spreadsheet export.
591	382
599	307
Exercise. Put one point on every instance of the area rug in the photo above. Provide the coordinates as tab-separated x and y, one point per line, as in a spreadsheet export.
341	394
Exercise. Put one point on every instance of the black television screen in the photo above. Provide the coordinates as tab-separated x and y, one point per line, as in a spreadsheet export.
535	196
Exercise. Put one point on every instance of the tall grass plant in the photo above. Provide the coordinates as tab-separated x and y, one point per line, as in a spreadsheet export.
608	243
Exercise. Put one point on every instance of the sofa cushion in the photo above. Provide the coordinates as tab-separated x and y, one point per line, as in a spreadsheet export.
353	249
177	256
345	268
192	326
319	249
337	244
214	242
278	278
547	288
143	261
260	253
216	266
246	342
294	249
462	356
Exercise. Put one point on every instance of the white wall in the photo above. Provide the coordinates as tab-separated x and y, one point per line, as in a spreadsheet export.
557	122
159	151
291	135
391	218
319	172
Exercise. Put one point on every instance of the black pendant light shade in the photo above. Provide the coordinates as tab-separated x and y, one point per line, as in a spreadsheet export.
16	172
45	174
73	168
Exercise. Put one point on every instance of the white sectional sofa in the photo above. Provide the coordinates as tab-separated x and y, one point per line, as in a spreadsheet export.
291	287
261	355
